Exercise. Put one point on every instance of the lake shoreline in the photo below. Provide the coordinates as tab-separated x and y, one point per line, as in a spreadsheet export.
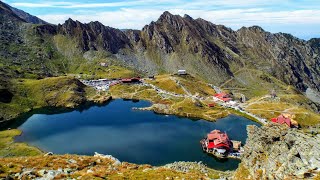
88	104
178	122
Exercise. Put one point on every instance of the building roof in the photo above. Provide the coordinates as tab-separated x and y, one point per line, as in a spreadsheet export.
282	120
218	136
126	80
223	96
211	104
220	95
220	139
225	99
210	145
135	79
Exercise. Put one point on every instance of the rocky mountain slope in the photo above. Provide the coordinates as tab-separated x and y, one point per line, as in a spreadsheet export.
216	52
99	166
277	152
213	52
249	61
27	17
245	60
94	36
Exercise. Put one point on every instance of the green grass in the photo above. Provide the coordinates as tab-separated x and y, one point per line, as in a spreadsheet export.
54	92
178	106
101	169
196	86
253	83
164	82
9	148
268	110
242	173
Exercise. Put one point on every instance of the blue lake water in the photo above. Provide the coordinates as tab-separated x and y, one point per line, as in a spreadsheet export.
141	137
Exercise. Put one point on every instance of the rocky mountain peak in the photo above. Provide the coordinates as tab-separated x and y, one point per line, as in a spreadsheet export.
166	16
7	14
186	16
252	29
69	20
95	35
256	28
27	17
20	15
176	21
4	7
315	45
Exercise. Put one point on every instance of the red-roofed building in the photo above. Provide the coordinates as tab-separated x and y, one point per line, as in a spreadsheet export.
217	140
114	83
223	97
282	120
226	99
130	80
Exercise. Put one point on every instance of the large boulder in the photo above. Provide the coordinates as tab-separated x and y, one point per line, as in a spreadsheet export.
277	152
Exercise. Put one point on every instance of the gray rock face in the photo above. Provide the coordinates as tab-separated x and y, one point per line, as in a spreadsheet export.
213	52
210	51
94	36
276	152
116	161
182	166
28	17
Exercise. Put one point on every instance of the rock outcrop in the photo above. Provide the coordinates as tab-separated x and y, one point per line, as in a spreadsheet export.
94	36
216	52
277	152
99	167
213	52
27	17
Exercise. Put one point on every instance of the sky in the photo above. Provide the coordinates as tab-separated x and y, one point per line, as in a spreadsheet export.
298	17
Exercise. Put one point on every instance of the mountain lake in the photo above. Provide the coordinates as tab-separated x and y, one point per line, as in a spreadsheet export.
141	137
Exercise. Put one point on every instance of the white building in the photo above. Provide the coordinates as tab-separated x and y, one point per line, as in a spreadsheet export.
182	72
103	64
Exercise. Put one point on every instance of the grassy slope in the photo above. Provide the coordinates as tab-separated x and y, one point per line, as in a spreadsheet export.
290	100
9	148
63	91
30	94
173	105
87	65
102	168
269	108
164	82
195	86
255	85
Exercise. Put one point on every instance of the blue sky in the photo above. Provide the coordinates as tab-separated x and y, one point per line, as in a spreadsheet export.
298	17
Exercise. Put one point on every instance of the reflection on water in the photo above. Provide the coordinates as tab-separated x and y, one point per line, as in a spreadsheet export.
133	136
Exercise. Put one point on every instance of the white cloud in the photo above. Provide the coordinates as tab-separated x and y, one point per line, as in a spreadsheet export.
181	4
232	13
231	3
39	5
78	5
137	18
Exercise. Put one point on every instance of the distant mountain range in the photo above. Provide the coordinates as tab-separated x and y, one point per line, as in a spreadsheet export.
246	58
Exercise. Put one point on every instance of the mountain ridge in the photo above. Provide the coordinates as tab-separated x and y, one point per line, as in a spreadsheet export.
22	14
213	52
270	72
